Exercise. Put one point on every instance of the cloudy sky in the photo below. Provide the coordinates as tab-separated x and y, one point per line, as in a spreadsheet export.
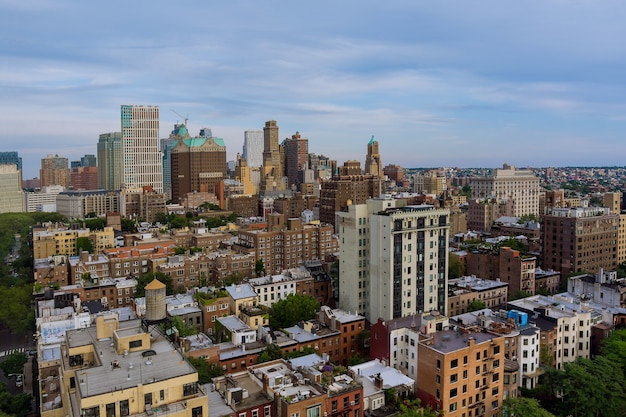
438	83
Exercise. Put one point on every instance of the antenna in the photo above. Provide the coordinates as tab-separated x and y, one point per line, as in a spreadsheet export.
180	115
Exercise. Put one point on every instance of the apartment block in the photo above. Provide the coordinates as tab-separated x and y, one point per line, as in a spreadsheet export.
507	265
580	239
120	368
287	244
408	261
519	186
461	373
466	289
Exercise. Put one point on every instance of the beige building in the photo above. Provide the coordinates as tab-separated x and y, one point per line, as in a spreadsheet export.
142	162
12	200
119	369
461	373
408	261
520	186
54	171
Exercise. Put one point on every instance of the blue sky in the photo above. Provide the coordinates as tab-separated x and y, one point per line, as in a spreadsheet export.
438	83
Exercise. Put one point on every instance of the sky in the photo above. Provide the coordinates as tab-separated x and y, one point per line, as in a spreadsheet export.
438	83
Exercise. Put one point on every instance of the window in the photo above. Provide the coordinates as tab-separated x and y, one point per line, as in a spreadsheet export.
314	411
196	412
110	410
453	407
267	412
453	392
454	363
454	378
255	413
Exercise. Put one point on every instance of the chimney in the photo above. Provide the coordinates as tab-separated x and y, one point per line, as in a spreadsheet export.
378	382
470	341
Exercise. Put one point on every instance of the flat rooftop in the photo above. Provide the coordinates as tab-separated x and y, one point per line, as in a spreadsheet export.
132	369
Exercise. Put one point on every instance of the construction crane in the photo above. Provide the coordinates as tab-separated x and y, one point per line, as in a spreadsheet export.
180	115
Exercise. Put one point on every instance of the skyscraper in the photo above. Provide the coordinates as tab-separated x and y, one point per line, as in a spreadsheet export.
253	148
54	171
198	164
142	163
296	157
166	149
272	172
12	200
373	164
110	161
11	158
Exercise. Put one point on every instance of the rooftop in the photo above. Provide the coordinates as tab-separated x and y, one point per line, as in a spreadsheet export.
112	371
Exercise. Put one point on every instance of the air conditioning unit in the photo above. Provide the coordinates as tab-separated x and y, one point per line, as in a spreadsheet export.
352	402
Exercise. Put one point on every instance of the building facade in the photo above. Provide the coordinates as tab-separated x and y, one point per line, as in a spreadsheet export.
198	164
142	163
54	171
408	261
520	186
580	239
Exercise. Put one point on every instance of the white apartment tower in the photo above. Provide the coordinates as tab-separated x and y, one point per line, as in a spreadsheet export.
393	259
253	147
142	163
519	185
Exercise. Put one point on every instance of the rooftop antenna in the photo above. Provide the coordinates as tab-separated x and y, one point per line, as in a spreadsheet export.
180	115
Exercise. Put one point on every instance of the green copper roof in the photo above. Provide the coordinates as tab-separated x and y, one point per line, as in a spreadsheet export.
199	141
371	140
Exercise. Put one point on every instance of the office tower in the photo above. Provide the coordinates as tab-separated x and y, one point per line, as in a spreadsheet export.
142	162
110	161
54	171
198	164
272	172
394	172
582	239
373	164
253	148
88	161
296	157
11	158
166	146
84	173
12	200
519	186
393	259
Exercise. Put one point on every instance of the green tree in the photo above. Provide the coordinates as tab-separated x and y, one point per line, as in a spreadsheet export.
519	294
293	309
184	329
206	370
84	244
95	224
456	268
147	278
598	383
270	353
413	408
129	225
523	407
14	405
259	268
466	191
14	364
476	305
357	359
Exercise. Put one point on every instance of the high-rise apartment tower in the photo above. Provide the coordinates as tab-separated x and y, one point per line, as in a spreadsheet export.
142	163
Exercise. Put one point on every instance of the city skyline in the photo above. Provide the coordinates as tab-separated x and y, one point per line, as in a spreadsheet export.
454	84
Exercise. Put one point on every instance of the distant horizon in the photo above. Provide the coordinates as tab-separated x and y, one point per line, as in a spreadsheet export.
538	83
